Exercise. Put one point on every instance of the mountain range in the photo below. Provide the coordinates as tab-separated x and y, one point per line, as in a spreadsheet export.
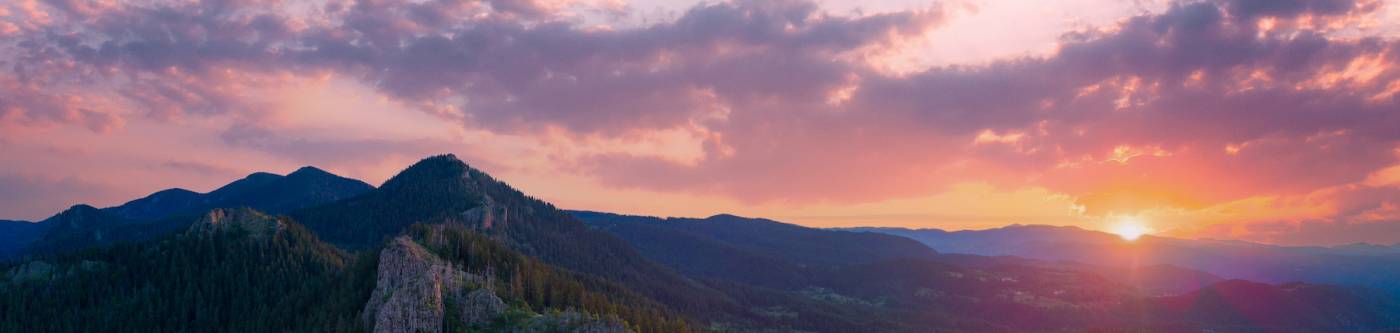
1367	265
167	210
444	247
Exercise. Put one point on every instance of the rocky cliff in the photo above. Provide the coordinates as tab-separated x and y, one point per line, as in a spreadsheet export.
413	288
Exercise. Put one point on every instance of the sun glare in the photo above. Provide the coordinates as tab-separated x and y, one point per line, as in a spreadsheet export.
1130	228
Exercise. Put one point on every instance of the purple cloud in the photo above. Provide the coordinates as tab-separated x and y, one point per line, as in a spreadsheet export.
1204	103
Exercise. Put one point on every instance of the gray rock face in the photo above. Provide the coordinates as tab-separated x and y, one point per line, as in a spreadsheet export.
480	306
40	270
34	270
412	289
486	216
255	223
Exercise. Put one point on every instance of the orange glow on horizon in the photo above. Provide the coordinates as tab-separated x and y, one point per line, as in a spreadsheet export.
1130	228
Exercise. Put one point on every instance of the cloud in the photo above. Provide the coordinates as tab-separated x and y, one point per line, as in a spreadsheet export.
35	197
196	167
24	104
1177	88
1201	104
1311	232
331	151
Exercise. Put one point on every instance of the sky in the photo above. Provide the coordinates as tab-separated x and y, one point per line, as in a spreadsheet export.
1273	121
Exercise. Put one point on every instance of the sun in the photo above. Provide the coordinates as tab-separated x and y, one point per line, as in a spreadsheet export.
1130	228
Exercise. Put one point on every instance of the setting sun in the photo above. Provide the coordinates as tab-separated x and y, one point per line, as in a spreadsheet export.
1130	228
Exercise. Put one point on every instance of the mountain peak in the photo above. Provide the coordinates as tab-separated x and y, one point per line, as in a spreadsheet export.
444	161
724	216
172	191
152	206
80	208
80	216
260	175
731	218
309	171
77	212
433	169
253	180
443	157
440	161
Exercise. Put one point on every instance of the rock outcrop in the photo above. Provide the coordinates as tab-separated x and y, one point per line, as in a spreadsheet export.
255	223
480	306
39	270
34	270
486	216
413	289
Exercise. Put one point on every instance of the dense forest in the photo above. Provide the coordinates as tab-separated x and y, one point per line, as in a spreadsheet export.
541	287
241	279
234	281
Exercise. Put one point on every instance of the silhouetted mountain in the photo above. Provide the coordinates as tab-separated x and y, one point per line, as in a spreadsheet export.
1230	259
774	254
169	210
161	204
1362	249
15	235
758	251
80	224
1009	240
307	186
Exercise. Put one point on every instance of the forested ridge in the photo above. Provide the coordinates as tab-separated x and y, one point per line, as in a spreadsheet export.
191	282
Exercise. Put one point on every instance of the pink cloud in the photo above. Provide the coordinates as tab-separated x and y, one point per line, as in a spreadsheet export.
1205	103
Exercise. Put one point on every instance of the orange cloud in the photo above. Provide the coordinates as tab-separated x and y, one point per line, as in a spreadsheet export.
1184	112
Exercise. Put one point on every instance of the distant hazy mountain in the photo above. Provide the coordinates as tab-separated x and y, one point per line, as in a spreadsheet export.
307	186
1359	265
899	286
77	226
1362	249
83	226
881	282
15	235
1010	240
732	246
